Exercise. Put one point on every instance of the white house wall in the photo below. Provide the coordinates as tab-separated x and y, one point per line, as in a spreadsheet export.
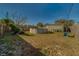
54	27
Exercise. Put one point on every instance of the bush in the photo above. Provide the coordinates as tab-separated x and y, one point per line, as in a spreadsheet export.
14	29
71	35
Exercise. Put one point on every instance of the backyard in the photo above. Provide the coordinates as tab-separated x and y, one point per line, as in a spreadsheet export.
38	30
53	44
39	44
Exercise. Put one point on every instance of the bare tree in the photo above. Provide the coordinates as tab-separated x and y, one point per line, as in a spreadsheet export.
19	19
40	24
65	22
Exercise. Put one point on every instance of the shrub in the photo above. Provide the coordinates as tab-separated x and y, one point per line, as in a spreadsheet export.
71	35
14	29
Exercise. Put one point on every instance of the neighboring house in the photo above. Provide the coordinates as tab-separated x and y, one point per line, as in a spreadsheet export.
54	27
33	30
38	30
47	28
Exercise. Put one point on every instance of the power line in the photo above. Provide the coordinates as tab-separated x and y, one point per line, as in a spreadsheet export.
70	10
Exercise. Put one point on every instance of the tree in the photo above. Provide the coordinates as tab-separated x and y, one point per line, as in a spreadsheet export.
71	22
7	19
64	22
14	29
13	26
6	22
21	20
60	21
40	24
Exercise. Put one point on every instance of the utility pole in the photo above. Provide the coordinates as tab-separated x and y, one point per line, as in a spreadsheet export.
7	15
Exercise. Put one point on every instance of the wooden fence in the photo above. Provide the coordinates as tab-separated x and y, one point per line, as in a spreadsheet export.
75	30
3	30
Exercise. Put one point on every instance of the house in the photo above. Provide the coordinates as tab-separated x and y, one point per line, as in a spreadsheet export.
38	30
54	27
47	28
33	30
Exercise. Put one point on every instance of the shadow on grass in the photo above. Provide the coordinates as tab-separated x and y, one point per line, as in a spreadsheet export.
28	49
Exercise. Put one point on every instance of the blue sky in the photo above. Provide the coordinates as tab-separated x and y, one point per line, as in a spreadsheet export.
46	13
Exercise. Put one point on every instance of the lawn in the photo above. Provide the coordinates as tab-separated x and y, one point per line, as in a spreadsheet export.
54	44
